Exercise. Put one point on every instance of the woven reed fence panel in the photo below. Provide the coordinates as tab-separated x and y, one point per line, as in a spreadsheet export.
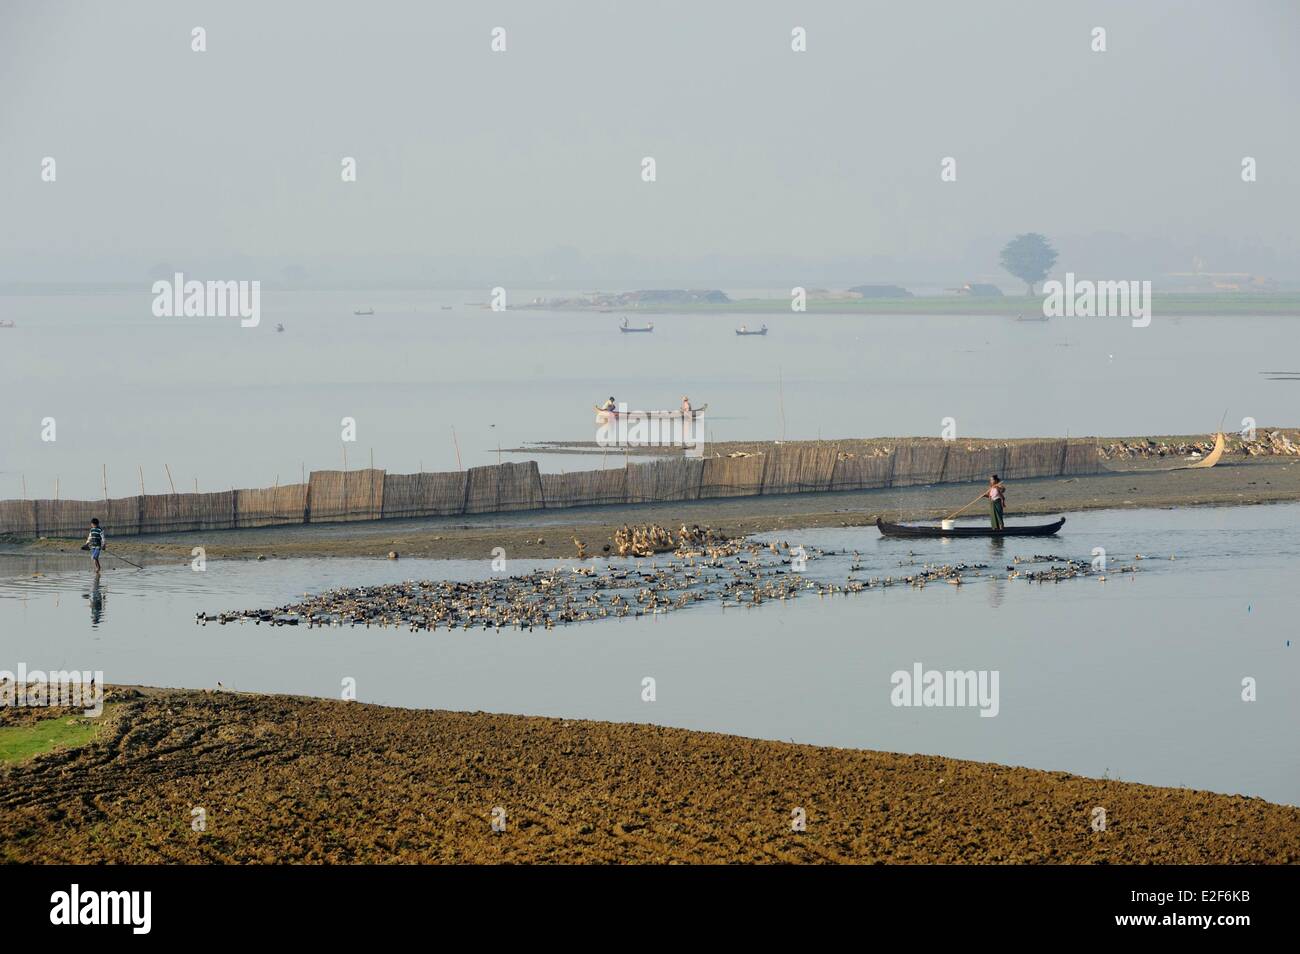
1081	459
345	495
215	510
966	463
919	463
172	513
792	470
664	480
501	487
122	513
1036	459
585	488
732	477
19	516
863	473
271	506
424	495
71	518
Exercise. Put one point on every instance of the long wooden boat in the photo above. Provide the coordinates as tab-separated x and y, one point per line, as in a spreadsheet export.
745	332
602	414
1212	458
628	330
905	530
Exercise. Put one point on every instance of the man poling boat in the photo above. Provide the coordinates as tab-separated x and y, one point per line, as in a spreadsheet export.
996	494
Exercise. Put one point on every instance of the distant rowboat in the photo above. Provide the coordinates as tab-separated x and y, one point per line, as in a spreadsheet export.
905	530
364	311
744	332
629	329
603	415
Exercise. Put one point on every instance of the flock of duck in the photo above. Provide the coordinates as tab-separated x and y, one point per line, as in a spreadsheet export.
704	566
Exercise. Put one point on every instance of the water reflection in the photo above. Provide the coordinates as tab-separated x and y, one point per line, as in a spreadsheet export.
96	598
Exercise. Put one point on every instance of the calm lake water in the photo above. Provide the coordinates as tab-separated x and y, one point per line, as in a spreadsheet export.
1139	677
243	407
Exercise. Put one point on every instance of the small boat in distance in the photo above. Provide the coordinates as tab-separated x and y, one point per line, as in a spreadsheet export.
447	307
744	331
6	323
364	311
279	327
629	329
604	416
905	530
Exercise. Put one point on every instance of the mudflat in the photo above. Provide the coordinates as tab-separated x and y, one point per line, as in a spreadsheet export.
287	779
550	533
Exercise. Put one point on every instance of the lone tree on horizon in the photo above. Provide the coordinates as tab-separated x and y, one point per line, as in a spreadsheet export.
1029	257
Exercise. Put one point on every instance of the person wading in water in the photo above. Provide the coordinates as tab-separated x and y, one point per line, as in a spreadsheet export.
95	541
997	494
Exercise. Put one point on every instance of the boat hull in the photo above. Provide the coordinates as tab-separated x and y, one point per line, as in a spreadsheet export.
903	530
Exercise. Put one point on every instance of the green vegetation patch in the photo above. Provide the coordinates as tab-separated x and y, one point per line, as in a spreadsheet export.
21	742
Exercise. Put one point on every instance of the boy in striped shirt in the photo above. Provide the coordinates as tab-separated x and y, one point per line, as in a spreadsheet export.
95	541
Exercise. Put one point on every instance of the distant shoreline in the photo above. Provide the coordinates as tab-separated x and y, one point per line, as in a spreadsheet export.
1164	305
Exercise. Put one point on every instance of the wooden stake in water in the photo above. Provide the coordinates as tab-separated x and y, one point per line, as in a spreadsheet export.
780	386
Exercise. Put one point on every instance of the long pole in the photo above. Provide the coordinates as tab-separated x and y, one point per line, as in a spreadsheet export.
459	465
140	468
104	476
971	504
170	482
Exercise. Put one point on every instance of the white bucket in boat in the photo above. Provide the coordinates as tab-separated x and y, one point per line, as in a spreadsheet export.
946	524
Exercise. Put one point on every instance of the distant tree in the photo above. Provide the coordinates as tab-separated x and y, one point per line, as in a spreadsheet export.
1029	257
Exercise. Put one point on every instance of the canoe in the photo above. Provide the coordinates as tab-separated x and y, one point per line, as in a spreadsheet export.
904	530
657	415
628	331
743	334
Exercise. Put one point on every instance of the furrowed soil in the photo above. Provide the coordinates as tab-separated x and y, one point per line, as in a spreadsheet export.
286	779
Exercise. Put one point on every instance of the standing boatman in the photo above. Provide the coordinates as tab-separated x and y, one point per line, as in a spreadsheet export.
95	542
997	494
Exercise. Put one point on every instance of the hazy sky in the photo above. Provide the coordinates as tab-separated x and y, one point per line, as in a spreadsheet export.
527	162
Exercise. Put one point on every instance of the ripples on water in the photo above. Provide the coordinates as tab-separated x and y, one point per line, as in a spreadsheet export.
1138	677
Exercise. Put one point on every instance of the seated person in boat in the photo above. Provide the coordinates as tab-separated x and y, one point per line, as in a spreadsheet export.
997	494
